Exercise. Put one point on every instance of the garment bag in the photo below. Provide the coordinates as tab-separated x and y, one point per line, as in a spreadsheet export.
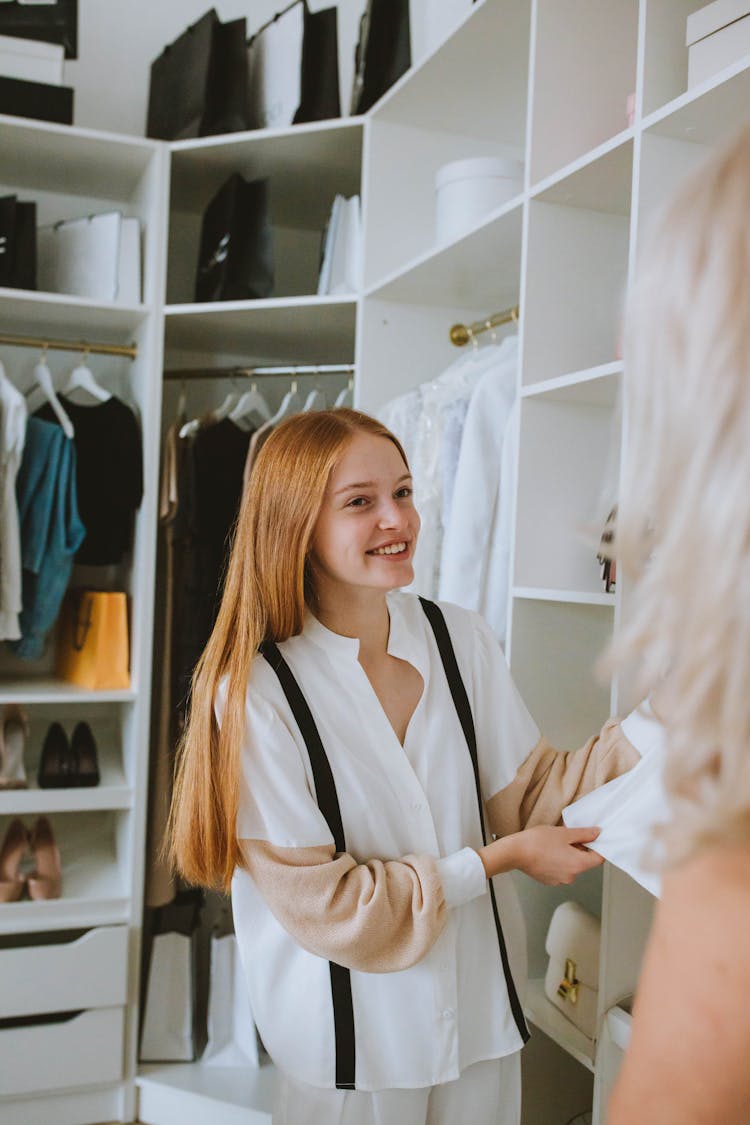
235	262
383	52
199	83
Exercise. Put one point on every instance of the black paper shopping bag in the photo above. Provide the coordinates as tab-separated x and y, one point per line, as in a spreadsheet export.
235	262
199	82
383	52
17	243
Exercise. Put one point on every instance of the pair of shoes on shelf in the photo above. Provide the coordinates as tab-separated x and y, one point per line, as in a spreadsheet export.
14	730
68	763
45	880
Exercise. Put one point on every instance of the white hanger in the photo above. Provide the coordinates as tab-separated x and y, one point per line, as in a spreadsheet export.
316	400
82	378
290	404
346	397
43	382
251	402
225	408
190	428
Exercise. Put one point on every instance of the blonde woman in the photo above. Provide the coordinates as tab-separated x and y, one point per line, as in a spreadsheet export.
340	734
684	533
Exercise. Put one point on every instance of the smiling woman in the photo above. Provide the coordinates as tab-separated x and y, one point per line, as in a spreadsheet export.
342	735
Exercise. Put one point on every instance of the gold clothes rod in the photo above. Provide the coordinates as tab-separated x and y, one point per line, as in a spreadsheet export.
252	372
462	333
128	350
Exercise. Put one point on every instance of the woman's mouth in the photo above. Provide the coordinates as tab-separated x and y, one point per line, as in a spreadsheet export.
391	550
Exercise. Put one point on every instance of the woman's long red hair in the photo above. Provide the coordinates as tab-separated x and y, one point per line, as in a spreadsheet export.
265	593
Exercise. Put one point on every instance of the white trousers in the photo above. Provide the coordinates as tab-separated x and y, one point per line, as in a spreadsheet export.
488	1093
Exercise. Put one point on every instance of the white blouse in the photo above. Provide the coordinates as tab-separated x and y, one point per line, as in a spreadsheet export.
422	1025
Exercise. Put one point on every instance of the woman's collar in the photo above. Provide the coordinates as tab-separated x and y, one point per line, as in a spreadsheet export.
405	636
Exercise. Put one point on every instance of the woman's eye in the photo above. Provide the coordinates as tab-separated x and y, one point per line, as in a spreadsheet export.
357	502
405	492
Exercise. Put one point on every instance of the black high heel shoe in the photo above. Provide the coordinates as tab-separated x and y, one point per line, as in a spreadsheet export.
56	765
83	746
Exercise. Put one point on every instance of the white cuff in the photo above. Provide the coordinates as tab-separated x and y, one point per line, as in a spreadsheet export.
642	729
463	877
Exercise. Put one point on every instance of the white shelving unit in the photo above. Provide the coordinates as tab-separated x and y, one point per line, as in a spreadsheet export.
541	80
70	965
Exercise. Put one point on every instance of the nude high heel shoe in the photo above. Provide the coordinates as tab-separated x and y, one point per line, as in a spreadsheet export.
14	730
14	848
45	881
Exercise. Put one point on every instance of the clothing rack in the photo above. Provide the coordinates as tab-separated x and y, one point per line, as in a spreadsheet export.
130	351
461	334
252	372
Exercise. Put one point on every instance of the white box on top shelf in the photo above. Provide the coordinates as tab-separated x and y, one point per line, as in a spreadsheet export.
31	60
716	36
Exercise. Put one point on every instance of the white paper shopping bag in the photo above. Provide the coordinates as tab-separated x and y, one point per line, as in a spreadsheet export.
232	1039
167	1034
275	71
81	256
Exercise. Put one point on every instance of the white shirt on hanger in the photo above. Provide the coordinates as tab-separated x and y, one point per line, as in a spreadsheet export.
425	1024
429	422
13	415
475	562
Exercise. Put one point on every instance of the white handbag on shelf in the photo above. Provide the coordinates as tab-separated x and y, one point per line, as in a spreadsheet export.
232	1039
572	979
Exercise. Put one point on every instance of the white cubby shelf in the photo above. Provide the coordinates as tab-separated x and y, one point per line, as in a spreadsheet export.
191	1093
49	690
296	329
571	597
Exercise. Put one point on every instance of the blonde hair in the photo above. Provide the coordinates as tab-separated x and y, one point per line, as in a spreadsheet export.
267	587
683	528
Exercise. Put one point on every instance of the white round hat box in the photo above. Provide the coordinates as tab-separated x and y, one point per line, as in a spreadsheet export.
467	190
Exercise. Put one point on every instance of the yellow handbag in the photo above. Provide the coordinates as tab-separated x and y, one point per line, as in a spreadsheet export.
92	640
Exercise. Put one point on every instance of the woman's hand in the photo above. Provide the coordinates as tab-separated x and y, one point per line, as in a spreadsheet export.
550	855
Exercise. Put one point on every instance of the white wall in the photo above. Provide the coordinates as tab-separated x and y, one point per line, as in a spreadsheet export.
117	43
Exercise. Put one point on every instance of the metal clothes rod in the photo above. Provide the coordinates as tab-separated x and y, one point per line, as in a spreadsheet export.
462	333
251	372
128	350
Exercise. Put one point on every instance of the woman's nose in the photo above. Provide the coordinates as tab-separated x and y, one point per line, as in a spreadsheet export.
391	514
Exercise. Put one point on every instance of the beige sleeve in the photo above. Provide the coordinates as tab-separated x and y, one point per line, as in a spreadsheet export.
550	779
377	917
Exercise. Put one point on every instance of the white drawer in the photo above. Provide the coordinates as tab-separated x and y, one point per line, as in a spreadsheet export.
90	972
84	1050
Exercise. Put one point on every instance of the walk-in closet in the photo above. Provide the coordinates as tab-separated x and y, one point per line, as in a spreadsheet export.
121	994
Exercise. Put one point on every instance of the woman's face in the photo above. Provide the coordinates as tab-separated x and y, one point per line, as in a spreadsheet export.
367	528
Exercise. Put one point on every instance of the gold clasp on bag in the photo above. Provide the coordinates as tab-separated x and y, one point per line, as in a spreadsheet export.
568	986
